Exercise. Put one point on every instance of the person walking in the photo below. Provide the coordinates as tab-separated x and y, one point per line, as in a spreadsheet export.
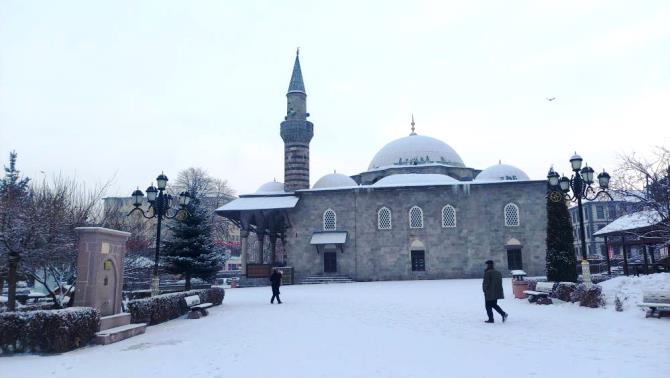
275	281
493	290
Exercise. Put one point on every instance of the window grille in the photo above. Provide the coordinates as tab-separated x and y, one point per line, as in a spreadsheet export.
384	219
415	217
329	220
511	215
448	217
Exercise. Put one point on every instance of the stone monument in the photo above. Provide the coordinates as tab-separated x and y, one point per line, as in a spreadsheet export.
100	281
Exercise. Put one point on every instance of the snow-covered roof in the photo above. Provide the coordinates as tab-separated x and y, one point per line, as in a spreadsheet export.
334	180
328	237
271	187
415	179
502	172
415	150
259	203
640	219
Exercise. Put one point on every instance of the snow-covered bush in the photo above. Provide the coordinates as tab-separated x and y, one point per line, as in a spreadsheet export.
563	291
544	301
162	308
592	297
618	304
47	331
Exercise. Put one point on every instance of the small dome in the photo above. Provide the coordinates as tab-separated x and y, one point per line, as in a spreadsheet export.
334	180
416	150
415	179
502	172
271	187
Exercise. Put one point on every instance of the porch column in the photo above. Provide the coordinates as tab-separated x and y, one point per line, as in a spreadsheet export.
646	260
607	256
273	248
625	255
244	246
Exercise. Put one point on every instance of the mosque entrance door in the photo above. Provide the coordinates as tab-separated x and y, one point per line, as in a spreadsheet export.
330	262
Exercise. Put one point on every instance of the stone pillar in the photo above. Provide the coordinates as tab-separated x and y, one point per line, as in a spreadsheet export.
244	246
100	268
273	248
260	236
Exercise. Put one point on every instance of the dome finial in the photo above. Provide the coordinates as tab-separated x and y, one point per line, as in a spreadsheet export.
413	132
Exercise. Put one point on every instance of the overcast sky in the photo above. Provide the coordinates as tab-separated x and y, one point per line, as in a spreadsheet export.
127	89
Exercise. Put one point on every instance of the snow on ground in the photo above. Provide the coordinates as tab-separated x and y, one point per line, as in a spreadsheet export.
376	329
630	289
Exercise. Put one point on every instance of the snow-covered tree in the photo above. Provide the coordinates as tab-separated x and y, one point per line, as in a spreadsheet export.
191	250
646	180
15	223
56	208
561	261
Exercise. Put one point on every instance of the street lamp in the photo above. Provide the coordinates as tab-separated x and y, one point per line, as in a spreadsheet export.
160	205
580	184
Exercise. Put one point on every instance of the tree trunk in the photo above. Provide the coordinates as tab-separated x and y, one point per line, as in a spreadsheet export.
187	282
11	282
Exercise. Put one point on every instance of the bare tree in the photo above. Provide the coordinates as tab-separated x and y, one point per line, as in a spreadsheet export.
56	208
647	181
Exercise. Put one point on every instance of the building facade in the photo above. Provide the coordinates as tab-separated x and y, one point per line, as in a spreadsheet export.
417	212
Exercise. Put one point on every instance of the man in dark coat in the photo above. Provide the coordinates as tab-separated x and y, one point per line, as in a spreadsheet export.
275	280
493	290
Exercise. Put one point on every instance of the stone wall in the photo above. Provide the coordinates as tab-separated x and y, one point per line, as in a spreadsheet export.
460	252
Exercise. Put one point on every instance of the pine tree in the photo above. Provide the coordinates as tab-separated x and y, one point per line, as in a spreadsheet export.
14	224
191	251
561	259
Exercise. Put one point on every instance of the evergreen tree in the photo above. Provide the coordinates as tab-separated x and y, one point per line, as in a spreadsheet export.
561	259
15	224
191	250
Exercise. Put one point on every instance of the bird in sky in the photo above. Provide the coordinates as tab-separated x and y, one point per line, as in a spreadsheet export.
551	98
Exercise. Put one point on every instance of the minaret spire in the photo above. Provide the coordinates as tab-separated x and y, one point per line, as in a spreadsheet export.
413	132
296	84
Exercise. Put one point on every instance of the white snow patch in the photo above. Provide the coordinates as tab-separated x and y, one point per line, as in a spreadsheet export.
376	329
630	289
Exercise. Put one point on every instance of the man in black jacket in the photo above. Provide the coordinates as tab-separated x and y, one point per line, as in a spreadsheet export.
275	280
493	290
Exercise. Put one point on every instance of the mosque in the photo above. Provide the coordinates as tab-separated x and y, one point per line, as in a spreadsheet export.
417	212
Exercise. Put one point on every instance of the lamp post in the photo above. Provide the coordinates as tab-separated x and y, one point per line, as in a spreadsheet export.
580	184
160	205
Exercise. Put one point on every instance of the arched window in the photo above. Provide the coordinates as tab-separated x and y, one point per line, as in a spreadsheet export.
384	218
511	213
415	217
329	220
448	217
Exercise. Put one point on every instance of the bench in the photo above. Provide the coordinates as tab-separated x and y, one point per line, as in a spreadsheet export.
542	290
658	303
196	308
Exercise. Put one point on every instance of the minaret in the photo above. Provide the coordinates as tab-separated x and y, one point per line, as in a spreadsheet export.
297	132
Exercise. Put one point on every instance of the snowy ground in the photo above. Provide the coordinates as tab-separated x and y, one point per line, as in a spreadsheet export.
380	329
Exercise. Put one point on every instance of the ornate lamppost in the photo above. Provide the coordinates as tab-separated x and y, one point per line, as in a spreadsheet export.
580	184
160	205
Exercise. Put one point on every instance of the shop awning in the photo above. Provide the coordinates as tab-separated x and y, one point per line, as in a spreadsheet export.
328	237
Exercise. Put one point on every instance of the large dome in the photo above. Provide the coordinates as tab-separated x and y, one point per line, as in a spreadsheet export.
502	172
334	180
416	150
271	187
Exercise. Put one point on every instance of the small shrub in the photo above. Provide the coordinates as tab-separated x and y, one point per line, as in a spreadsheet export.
618	304
47	331
593	297
532	284
162	308
563	291
544	301
578	293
